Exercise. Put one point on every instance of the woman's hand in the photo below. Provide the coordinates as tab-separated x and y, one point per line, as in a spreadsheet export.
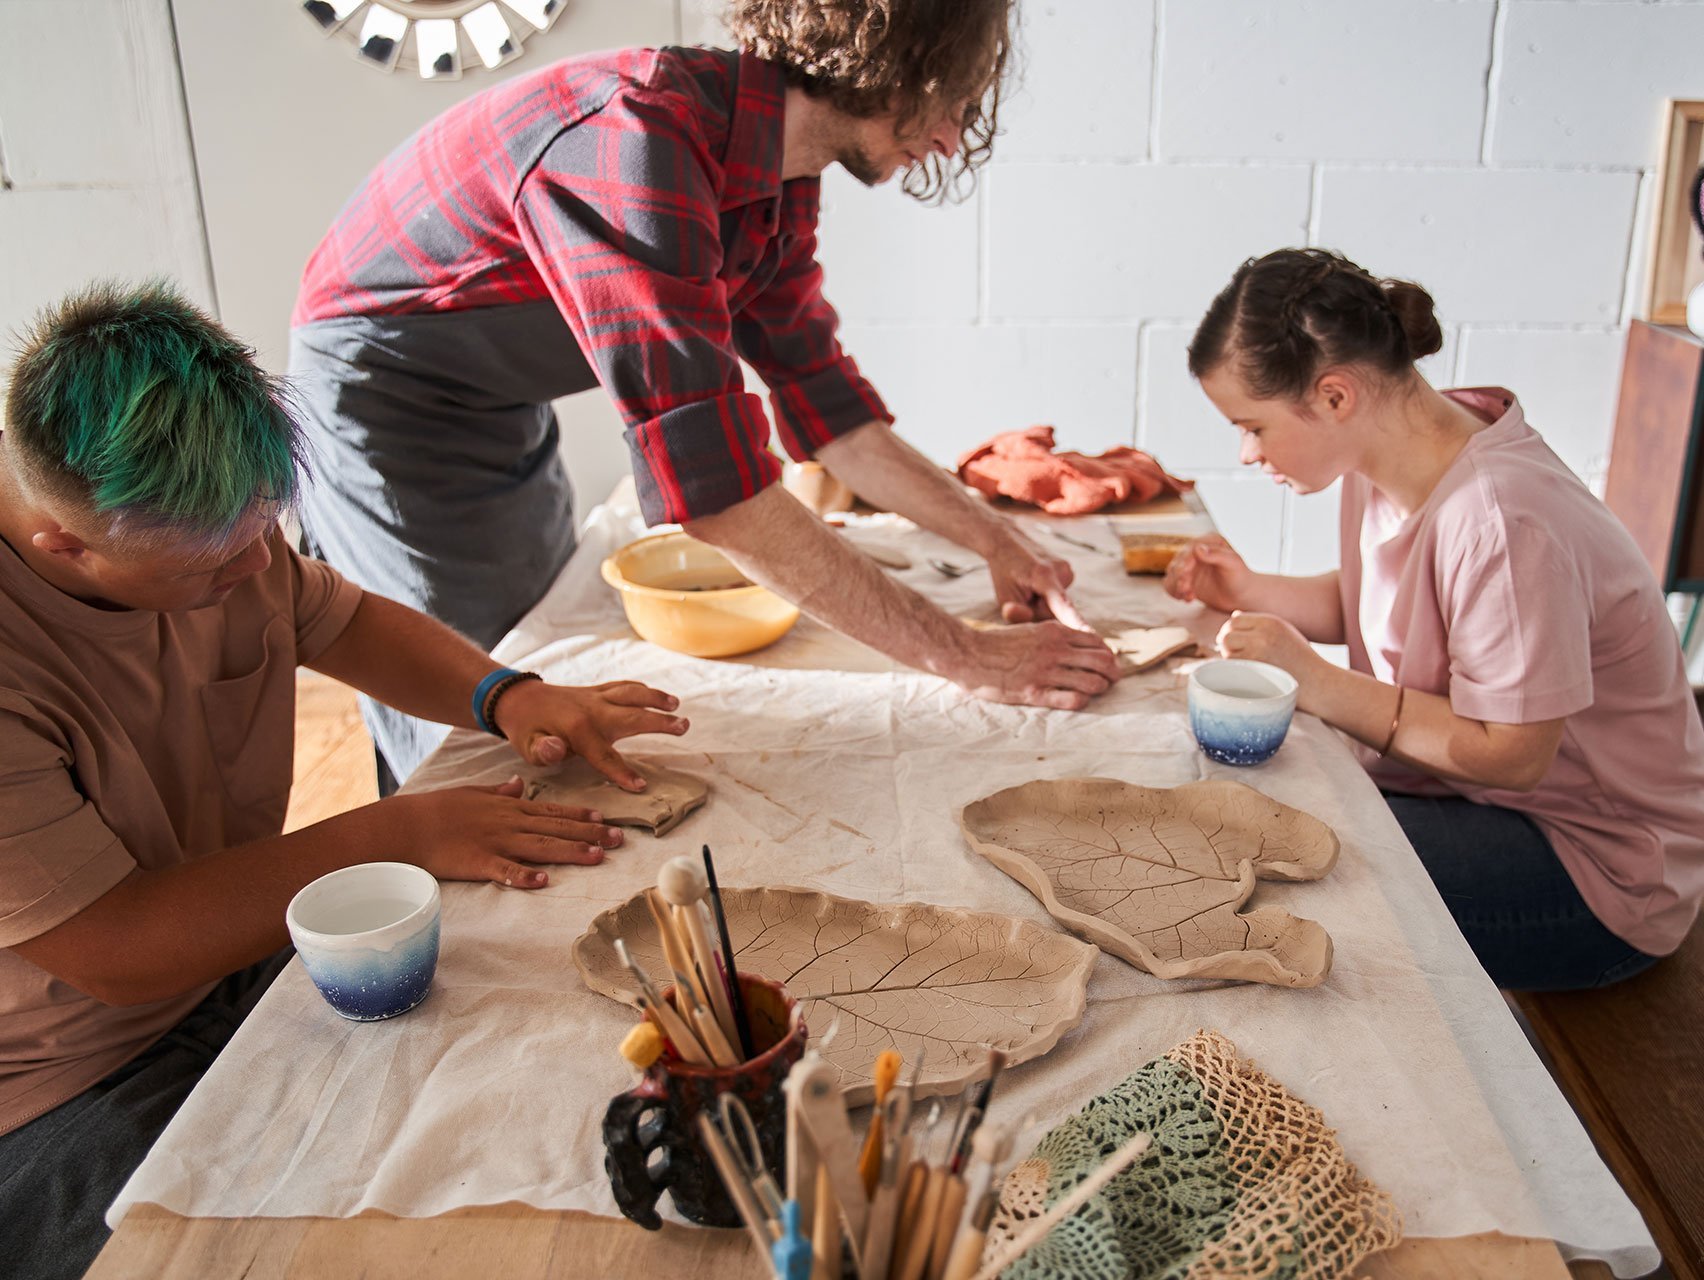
547	723
1265	638
1210	571
486	833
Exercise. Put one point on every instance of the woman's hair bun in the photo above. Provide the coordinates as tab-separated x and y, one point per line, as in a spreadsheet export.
1414	312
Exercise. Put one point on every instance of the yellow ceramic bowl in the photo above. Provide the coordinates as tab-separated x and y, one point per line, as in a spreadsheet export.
670	586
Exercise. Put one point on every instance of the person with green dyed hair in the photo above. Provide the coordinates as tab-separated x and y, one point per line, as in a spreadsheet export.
154	619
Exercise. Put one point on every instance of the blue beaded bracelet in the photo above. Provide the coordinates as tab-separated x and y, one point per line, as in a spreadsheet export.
486	692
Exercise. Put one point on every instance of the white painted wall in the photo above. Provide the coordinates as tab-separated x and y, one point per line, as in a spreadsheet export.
1498	151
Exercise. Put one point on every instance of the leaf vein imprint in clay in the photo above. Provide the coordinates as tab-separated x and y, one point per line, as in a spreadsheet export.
896	975
1168	895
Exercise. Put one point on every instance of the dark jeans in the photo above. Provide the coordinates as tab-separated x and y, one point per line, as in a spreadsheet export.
1512	898
60	1172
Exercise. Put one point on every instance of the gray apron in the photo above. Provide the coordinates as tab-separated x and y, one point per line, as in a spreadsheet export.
433	470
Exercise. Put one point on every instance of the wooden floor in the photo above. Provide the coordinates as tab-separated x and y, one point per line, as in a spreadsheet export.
334	755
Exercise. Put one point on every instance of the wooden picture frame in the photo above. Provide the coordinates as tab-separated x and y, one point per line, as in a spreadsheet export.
1677	252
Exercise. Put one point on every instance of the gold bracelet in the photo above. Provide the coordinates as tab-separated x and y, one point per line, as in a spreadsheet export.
1395	720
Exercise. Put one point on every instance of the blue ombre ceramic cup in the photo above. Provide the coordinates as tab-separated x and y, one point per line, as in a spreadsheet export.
1239	711
368	936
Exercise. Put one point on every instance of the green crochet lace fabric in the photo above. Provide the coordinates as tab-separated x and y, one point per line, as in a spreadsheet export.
1242	1180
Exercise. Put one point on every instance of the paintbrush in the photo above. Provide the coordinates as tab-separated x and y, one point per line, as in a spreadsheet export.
742	1024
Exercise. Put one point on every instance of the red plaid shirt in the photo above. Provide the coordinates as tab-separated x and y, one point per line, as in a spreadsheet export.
641	192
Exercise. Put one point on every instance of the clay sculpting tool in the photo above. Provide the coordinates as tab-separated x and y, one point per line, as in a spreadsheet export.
824	1137
682	884
883	1222
886	1071
736	997
740	1190
659	1011
748	1151
704	1023
790	1256
990	1146
825	1231
1036	1232
977	1110
675	949
911	1199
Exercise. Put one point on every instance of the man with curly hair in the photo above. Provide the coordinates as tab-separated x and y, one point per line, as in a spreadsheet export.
152	618
646	219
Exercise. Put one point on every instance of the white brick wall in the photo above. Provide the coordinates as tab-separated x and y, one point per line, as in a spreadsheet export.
96	176
1499	151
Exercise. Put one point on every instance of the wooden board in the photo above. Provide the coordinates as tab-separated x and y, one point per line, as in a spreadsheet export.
1629	1058
518	1242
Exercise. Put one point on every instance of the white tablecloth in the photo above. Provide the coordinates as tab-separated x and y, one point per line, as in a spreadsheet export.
833	768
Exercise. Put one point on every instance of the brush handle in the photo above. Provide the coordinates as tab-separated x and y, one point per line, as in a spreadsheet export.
674	946
914	1265
947	1219
967	1252
1036	1232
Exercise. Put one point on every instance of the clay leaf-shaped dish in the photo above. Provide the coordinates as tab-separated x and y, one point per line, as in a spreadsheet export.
1158	876
897	976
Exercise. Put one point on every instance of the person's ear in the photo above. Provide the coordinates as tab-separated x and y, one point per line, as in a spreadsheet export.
1335	394
57	541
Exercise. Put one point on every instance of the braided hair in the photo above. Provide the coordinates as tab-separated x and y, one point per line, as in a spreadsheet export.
1292	313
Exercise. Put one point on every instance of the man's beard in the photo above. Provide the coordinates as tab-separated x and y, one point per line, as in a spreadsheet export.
857	162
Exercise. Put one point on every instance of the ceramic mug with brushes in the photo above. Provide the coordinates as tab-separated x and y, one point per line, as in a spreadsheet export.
660	1113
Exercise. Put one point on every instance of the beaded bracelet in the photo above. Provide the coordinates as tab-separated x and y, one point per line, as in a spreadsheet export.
1394	721
491	688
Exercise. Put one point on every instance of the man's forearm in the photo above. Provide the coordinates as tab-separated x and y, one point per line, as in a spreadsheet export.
774	540
408	661
887	472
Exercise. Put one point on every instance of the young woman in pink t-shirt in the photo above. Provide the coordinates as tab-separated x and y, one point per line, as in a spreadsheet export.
1514	680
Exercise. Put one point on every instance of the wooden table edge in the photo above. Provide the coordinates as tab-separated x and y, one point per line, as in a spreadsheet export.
518	1240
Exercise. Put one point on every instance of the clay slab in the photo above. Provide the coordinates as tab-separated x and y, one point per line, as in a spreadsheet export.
1158	877
668	798
895	975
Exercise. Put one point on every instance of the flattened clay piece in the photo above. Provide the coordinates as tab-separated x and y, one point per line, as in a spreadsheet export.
1158	876
1139	648
898	975
661	807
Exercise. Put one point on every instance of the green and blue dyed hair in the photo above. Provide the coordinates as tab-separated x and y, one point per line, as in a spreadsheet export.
133	402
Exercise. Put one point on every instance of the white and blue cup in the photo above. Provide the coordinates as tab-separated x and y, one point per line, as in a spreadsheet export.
368	937
1239	711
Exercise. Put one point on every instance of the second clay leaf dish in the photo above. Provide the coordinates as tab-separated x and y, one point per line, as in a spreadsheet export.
1159	876
896	975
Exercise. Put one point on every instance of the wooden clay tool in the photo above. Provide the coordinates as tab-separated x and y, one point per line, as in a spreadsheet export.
704	1023
1036	1232
990	1146
818	1112
675	948
740	1189
682	884
659	1011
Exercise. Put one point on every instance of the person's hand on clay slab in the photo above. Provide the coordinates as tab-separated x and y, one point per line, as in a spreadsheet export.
1029	584
1209	570
1265	638
1044	664
490	833
547	723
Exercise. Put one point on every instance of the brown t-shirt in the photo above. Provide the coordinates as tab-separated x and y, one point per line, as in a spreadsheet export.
132	739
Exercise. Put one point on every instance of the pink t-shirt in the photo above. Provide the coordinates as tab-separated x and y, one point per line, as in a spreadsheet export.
1515	592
